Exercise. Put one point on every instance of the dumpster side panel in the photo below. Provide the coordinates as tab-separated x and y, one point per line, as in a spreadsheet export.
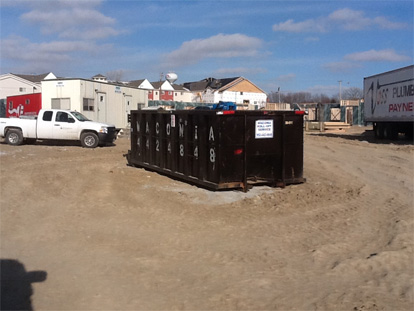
232	148
219	150
166	139
136	137
181	143
212	142
293	149
264	147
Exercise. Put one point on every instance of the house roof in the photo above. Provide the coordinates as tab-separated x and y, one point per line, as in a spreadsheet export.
212	83
33	78
179	87
221	85
136	83
157	84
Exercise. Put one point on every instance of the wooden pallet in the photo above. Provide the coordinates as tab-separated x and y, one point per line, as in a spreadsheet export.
336	126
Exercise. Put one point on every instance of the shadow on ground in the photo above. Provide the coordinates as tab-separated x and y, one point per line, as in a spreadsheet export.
367	136
16	285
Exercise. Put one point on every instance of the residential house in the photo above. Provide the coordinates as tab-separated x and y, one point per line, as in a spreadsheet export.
181	94
163	90
12	84
143	84
20	85
243	92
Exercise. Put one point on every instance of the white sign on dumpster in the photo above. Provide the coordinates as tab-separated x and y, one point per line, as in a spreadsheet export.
264	129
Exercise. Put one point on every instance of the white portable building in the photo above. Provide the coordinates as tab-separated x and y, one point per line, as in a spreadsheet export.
99	101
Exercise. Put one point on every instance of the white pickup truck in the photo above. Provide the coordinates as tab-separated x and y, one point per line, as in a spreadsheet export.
59	125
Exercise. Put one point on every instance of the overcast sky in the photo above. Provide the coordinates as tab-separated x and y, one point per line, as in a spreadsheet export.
294	45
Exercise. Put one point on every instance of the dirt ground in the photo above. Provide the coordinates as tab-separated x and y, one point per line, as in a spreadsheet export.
105	236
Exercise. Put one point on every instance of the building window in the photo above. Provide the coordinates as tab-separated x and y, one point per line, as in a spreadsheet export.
60	103
88	104
163	92
22	89
10	105
27	102
169	93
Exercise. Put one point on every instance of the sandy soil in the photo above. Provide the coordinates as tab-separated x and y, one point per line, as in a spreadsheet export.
113	237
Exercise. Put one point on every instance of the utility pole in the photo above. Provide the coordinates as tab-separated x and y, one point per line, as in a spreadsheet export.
161	76
340	92
278	91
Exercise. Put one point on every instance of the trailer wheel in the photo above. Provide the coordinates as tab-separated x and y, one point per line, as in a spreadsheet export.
379	131
390	131
89	140
14	137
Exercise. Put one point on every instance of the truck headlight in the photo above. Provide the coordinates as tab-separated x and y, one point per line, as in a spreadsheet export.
103	130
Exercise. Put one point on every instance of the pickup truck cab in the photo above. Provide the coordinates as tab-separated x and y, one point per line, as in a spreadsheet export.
57	124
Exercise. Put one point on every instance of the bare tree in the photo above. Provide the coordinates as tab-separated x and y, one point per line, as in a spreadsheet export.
115	75
352	93
300	97
273	97
321	98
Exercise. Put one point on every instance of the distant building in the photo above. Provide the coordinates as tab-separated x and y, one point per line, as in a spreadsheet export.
163	90
181	94
239	90
12	84
140	84
167	91
350	102
100	78
99	100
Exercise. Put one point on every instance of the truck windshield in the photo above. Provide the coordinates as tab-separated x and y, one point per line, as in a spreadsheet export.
79	116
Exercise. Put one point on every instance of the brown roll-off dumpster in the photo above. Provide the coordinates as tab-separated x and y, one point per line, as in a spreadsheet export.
220	149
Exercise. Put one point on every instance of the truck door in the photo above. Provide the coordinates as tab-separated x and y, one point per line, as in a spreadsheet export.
45	125
65	126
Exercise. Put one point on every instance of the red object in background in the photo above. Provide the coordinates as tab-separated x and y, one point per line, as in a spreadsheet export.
167	95
23	105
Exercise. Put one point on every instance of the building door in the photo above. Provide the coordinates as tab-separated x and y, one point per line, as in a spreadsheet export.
128	108
101	107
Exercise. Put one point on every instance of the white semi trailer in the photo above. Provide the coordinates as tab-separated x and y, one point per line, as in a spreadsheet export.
389	102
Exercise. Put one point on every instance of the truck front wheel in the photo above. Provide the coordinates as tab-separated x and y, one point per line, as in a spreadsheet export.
89	140
14	137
